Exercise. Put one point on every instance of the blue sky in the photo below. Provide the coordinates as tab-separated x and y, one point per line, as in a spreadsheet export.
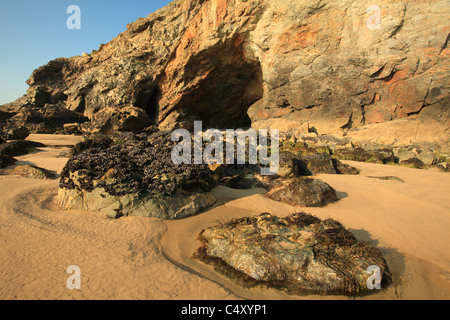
33	32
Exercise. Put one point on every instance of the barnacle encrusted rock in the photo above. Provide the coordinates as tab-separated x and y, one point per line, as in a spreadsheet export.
137	177
300	254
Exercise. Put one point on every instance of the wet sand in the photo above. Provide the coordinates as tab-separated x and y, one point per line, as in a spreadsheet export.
148	258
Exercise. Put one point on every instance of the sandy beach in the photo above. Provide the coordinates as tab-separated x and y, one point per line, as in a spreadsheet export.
148	258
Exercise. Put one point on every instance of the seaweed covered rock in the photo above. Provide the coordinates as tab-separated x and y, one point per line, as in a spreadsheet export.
413	163
93	141
288	164
299	254
243	181
343	168
381	156
32	172
305	192
315	163
134	176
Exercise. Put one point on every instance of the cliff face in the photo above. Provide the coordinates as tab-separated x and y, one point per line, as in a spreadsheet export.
282	64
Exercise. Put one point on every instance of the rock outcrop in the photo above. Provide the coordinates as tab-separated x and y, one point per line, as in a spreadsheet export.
332	66
299	254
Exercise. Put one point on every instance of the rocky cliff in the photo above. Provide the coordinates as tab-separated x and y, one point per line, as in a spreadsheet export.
314	65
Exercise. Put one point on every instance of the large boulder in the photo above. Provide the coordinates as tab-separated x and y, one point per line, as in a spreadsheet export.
299	254
135	177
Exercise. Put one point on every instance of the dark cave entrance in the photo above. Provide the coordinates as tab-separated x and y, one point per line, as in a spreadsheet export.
147	100
229	84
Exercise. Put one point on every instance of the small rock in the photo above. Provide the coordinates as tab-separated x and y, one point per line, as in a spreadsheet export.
303	192
72	128
110	120
32	172
288	164
413	162
380	156
315	164
243	181
342	168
